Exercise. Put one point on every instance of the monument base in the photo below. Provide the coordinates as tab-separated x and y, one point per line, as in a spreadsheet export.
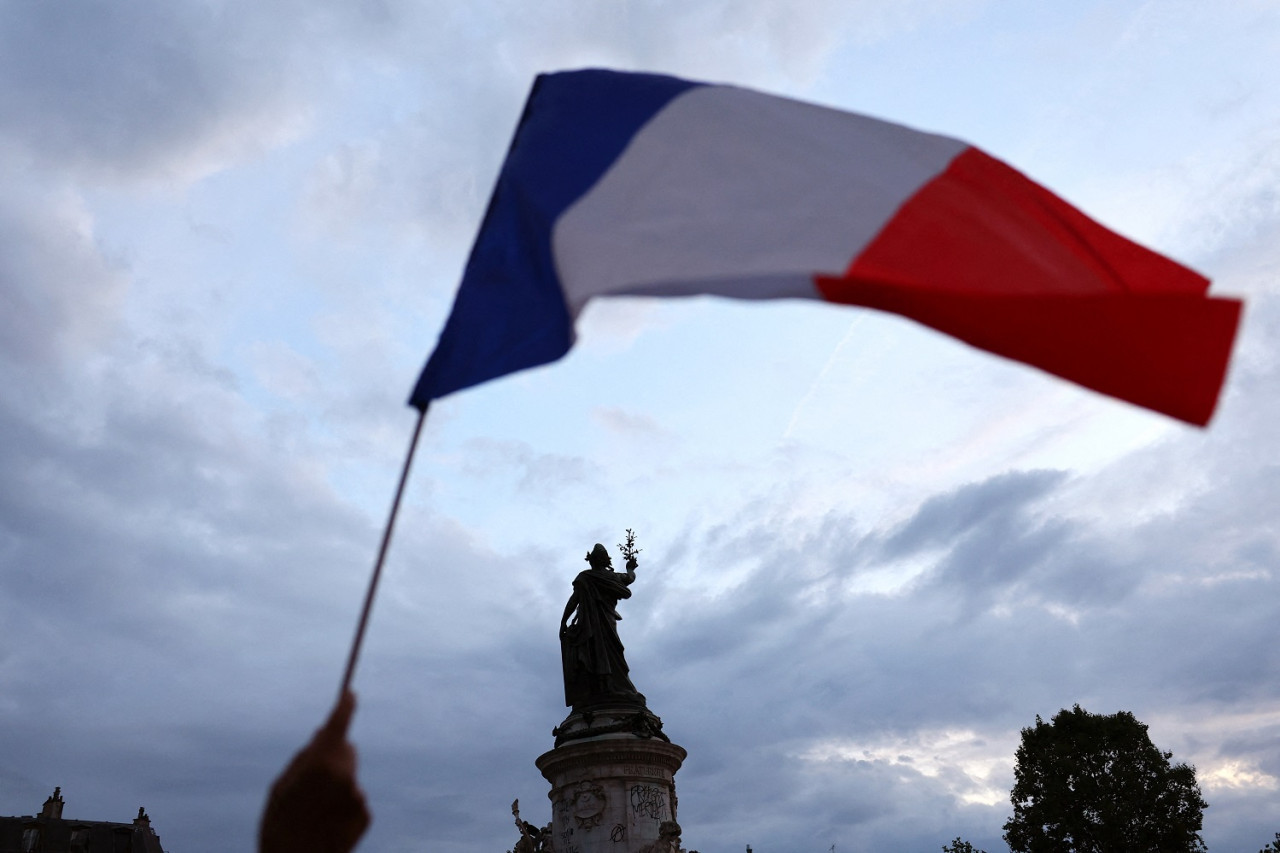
609	719
614	791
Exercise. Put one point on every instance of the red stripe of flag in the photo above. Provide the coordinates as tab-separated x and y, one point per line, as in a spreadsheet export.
986	255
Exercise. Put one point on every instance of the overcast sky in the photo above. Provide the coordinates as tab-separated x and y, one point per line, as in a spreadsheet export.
229	234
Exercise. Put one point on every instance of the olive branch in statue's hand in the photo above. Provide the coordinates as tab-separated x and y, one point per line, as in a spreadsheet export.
629	550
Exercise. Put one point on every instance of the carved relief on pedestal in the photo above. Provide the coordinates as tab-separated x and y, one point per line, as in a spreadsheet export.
587	804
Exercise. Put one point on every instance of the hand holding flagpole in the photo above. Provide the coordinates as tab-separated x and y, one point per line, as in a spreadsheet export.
316	805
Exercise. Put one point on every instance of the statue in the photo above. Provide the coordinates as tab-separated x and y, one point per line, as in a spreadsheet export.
595	670
533	839
668	839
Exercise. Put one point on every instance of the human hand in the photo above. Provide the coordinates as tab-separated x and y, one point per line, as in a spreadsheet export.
316	806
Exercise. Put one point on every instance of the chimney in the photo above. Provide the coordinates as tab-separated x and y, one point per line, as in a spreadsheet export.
142	821
53	805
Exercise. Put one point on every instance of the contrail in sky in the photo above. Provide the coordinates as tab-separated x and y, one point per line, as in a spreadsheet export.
822	374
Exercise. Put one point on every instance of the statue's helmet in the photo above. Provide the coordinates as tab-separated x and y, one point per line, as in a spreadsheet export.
599	557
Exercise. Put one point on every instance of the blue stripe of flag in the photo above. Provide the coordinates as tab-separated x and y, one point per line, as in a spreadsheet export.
510	311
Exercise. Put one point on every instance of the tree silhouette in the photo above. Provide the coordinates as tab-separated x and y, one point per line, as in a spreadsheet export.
1095	783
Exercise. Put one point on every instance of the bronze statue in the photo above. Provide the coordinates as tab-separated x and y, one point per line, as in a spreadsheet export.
595	671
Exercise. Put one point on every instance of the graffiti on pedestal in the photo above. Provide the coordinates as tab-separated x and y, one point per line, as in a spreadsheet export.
648	801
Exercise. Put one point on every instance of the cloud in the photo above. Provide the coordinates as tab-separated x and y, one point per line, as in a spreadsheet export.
945	518
972	767
429	174
536	474
60	292
146	89
754	43
1087	605
630	424
175	585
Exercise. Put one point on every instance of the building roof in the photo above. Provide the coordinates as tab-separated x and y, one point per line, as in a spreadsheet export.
50	832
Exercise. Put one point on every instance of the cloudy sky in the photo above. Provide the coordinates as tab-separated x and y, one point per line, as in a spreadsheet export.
229	234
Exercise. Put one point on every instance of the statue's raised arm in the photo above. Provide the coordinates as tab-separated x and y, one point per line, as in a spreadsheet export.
629	551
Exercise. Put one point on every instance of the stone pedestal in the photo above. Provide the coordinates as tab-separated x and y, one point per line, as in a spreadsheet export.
610	792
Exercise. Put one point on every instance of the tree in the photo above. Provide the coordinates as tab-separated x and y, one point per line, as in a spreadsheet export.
960	846
1093	783
1272	846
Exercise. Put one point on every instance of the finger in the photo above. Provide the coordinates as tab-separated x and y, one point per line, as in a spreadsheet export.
335	728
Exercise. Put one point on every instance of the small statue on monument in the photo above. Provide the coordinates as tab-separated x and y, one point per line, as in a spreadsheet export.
533	839
595	670
668	840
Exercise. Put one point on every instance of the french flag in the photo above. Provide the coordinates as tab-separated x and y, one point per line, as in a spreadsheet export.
642	184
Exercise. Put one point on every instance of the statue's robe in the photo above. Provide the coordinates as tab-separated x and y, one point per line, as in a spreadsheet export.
595	670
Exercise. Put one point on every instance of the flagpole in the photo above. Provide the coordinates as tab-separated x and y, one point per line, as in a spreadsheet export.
382	556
